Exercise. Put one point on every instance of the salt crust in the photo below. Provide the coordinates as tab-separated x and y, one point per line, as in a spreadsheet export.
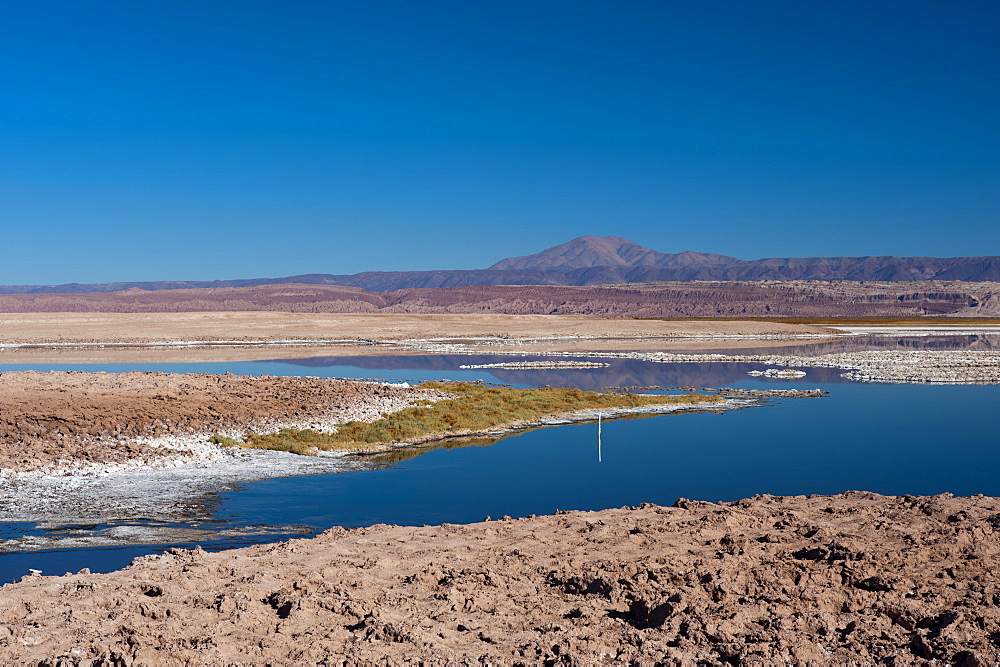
162	484
897	367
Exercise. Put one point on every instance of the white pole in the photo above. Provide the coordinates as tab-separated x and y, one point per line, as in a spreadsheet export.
598	437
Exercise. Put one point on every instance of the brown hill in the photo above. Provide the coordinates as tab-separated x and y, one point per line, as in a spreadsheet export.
677	299
608	251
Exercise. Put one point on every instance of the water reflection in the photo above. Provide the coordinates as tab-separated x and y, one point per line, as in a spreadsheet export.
618	372
637	373
408	453
864	343
391	458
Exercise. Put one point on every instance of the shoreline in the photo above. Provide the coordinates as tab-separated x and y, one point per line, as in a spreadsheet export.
931	367
796	579
82	466
80	491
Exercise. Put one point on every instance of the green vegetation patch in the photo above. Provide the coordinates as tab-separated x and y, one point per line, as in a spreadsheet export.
475	408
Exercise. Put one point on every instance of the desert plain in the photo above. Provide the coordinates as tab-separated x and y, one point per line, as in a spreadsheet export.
248	328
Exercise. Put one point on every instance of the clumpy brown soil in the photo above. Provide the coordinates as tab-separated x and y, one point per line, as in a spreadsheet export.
94	417
851	579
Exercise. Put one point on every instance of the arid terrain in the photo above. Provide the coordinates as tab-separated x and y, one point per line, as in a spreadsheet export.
851	579
77	417
367	333
712	299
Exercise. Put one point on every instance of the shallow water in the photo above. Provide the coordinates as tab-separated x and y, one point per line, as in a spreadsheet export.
418	368
891	439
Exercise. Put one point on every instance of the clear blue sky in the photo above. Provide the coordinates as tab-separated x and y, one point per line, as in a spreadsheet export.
214	139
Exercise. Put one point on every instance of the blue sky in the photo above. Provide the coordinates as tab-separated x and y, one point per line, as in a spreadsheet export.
199	140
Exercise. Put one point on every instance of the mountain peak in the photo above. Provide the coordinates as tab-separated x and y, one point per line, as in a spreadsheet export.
583	252
590	251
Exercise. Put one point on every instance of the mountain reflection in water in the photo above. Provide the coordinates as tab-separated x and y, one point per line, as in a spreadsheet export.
638	373
863	343
618	373
408	453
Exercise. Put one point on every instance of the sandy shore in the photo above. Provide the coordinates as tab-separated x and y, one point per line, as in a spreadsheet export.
243	335
854	578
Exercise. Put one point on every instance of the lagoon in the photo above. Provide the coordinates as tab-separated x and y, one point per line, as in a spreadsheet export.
892	439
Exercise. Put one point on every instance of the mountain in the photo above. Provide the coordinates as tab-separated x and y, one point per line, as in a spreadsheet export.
592	260
592	251
600	260
582	252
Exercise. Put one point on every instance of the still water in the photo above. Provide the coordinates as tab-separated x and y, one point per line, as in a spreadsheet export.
891	439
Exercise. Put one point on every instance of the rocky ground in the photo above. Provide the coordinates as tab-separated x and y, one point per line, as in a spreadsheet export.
98	417
856	578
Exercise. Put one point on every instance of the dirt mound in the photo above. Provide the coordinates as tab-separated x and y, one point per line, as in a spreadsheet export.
47	417
854	578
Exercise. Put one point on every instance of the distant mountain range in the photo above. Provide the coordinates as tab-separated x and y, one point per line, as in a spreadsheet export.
737	299
602	260
591	260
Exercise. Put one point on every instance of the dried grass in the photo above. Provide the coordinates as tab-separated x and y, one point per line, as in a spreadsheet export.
473	408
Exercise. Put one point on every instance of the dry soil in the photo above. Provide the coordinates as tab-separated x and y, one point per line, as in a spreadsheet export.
851	579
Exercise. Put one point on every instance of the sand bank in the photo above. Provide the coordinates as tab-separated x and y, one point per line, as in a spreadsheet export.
167	486
105	337
236	327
